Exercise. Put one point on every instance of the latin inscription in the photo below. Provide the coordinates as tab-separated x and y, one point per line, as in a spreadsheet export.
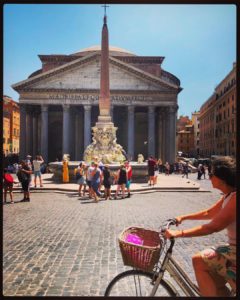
96	97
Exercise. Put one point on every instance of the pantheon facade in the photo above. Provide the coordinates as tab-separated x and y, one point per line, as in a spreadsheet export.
59	104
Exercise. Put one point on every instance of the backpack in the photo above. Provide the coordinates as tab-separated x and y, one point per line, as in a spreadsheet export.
78	175
8	178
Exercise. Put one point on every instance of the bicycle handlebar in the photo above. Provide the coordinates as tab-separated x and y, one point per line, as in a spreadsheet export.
166	225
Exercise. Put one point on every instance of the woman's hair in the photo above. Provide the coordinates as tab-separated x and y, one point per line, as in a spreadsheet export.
224	168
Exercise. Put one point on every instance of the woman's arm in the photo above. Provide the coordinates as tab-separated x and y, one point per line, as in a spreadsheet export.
205	214
26	171
220	221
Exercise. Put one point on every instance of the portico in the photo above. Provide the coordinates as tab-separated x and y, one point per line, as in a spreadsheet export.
60	105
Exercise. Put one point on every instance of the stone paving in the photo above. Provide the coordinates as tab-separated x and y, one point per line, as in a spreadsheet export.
61	245
174	182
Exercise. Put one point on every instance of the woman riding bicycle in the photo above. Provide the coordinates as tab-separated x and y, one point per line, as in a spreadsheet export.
216	266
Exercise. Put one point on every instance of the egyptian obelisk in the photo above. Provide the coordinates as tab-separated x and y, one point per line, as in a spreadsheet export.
104	98
104	146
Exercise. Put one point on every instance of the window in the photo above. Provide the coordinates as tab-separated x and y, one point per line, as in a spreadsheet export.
228	112
224	114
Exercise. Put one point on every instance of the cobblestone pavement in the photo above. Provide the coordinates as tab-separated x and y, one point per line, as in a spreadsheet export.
61	245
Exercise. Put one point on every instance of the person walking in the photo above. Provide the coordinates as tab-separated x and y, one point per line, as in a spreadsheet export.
89	179
160	165
204	170
24	176
95	182
216	266
199	172
79	173
37	162
129	177
185	170
107	181
8	182
151	167
167	168
30	165
155	177
121	181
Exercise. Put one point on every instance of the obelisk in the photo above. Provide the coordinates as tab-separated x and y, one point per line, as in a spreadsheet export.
104	98
104	146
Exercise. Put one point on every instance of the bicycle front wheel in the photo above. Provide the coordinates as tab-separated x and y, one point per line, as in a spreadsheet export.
137	283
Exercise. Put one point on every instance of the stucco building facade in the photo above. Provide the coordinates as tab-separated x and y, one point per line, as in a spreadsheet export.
11	125
218	119
59	104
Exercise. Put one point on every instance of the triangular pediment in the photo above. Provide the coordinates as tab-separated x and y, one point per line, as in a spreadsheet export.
84	73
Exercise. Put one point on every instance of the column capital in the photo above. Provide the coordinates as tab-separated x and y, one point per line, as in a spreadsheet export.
173	109
87	107
151	109
66	107
44	108
22	107
131	108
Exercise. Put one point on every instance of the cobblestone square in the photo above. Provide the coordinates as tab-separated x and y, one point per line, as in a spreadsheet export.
60	245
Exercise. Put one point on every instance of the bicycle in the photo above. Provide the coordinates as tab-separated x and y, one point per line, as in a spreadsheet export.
140	283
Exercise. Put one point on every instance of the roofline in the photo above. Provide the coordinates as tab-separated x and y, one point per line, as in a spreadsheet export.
89	57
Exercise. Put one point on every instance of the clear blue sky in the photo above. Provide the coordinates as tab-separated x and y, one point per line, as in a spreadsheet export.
197	41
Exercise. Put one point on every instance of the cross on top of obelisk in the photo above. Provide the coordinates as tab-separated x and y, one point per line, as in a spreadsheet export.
105	6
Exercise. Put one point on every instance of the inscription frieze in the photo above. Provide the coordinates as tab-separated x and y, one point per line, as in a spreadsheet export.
96	97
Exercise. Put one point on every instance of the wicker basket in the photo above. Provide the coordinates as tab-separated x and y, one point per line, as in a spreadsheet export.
143	256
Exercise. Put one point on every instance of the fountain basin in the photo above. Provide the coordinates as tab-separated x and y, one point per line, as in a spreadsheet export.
139	171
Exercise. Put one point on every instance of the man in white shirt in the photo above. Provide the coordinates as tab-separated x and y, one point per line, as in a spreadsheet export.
37	173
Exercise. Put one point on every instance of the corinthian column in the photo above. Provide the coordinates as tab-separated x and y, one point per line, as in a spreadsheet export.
34	123
173	122
66	133
170	146
131	132
87	125
44	132
22	153
151	130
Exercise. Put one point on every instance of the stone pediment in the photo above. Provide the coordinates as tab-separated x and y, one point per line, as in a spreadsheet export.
84	74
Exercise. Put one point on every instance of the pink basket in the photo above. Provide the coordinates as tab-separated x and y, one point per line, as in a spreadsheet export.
140	248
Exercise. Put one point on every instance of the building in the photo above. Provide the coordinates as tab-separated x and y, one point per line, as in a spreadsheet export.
11	125
6	133
218	119
182	121
196	127
59	104
185	136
